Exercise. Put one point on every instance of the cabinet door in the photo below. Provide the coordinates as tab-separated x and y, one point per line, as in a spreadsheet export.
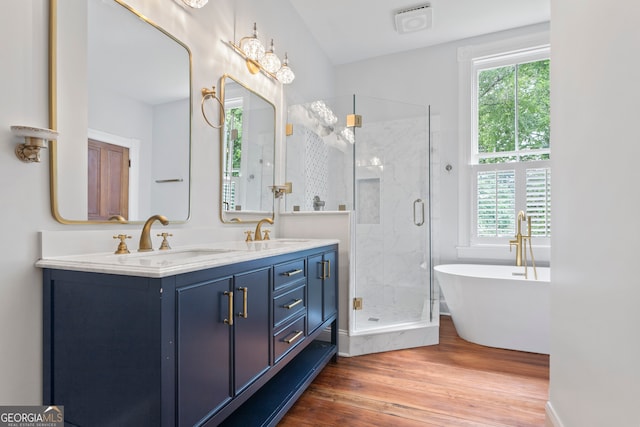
314	292
251	326
321	288
204	378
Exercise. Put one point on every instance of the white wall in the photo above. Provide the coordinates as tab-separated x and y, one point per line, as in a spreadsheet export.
24	192
595	347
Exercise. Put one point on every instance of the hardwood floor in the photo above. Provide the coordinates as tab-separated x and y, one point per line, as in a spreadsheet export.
455	383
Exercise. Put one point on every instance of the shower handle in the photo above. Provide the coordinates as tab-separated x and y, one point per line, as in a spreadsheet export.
420	203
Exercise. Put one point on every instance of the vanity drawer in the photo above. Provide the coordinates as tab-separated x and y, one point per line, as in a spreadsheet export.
288	338
287	273
288	305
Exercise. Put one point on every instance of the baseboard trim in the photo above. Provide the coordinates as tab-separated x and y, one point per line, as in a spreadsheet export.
551	417
343	340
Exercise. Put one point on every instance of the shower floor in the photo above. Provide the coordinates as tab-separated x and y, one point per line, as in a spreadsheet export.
387	327
383	316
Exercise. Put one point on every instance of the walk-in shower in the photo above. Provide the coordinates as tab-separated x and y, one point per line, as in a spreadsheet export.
372	157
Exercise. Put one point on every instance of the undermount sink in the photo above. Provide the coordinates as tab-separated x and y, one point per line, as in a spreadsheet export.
160	258
184	254
171	256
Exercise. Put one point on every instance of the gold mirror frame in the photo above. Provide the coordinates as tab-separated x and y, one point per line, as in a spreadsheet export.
243	217
53	118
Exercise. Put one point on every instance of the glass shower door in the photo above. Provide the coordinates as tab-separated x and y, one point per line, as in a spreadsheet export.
392	238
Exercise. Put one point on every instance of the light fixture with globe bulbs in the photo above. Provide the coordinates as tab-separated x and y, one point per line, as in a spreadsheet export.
258	59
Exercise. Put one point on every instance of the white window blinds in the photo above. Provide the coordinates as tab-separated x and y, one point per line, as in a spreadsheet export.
500	193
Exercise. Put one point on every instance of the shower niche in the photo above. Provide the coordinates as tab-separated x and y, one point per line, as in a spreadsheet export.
380	173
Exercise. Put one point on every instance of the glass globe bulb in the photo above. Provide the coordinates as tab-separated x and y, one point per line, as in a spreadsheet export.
270	60
252	47
196	4
285	74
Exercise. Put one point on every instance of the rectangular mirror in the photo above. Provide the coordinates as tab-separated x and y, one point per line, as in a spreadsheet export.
247	154
121	102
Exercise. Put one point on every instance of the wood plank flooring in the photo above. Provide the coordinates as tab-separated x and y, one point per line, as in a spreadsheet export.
452	384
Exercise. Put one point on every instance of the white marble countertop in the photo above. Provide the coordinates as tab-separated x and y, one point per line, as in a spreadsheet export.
181	259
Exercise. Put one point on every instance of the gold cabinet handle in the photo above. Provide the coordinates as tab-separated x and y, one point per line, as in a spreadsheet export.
292	273
296	335
326	273
326	269
229	321
293	304
245	295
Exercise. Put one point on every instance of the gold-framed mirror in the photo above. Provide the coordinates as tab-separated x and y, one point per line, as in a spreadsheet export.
247	154
120	98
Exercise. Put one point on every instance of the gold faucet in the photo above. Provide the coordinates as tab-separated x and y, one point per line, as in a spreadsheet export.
145	236
258	233
518	241
521	245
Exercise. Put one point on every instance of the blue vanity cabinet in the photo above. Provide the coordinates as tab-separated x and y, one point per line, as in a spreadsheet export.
125	350
322	288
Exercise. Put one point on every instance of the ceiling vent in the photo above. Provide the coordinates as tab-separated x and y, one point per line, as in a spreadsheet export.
414	19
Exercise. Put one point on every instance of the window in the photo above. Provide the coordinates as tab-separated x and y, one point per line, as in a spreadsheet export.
507	135
510	144
233	146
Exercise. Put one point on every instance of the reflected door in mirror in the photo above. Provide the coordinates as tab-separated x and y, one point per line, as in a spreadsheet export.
108	178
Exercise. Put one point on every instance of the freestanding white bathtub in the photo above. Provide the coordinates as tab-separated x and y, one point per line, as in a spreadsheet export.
496	306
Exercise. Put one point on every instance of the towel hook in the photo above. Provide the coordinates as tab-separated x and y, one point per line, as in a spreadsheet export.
211	93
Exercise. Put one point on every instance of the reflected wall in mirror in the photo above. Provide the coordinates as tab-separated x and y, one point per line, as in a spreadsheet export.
121	101
247	154
320	154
